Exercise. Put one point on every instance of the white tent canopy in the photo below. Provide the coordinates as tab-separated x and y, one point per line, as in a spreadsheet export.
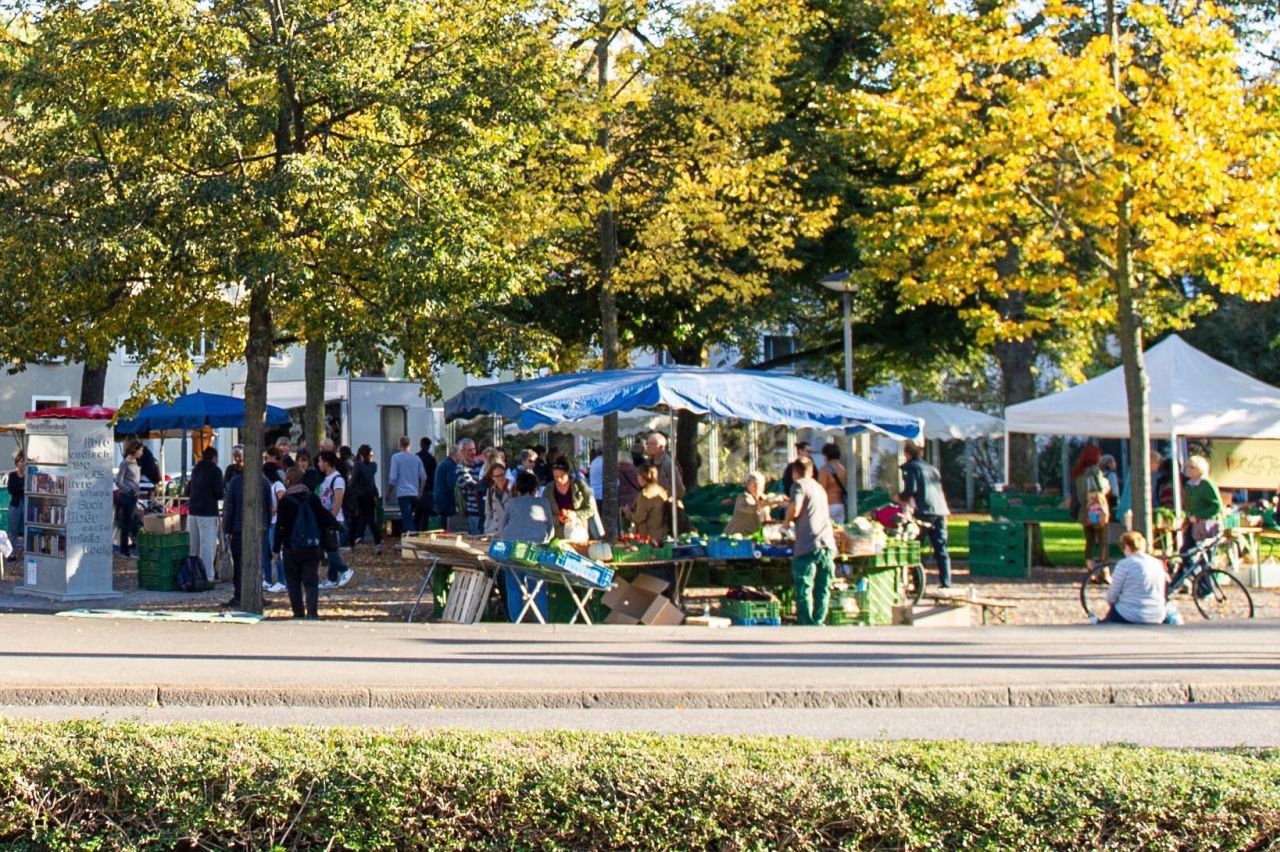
1191	395
954	423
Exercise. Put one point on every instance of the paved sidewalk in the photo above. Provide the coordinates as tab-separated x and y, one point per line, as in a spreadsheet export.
51	660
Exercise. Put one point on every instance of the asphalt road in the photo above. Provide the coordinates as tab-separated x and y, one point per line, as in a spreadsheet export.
1184	726
59	660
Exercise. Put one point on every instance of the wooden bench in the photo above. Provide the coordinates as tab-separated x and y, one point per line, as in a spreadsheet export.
992	609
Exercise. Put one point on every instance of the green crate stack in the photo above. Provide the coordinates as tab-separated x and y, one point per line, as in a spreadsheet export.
750	612
4	506
1018	506
159	558
998	549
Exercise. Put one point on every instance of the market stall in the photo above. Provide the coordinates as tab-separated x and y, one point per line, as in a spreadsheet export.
874	577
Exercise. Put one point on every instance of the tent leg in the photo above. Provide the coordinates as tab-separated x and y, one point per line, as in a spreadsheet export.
1177	475
675	499
968	476
1005	452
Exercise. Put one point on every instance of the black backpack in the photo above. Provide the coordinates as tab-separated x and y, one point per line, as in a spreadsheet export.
191	576
306	529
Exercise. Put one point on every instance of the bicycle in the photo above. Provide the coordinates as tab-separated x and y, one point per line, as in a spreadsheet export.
1218	593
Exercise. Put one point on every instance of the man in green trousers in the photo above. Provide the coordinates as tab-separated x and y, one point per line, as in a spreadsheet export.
813	557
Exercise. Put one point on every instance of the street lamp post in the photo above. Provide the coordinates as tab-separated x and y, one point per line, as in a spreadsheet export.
841	283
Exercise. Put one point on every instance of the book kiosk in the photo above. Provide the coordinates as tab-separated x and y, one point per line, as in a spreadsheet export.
68	510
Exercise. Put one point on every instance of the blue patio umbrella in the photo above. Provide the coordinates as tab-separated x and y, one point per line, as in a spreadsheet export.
721	394
194	411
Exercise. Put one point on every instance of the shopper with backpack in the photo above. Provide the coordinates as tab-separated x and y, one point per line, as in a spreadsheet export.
300	523
1089	489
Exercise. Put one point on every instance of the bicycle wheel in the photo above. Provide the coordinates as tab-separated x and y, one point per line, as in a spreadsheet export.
1093	592
1223	596
914	579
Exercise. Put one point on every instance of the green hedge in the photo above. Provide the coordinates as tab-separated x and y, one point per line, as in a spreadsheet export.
85	785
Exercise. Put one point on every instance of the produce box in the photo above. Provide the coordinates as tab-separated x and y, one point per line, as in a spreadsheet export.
877	598
161	524
730	548
519	552
163	541
589	571
751	613
158	574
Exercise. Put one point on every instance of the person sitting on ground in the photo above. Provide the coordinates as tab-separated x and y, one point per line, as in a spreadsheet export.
301	565
651	513
528	518
1137	590
751	508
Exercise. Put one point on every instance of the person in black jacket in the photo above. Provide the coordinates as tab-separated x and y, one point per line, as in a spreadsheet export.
301	567
426	504
17	484
233	526
206	491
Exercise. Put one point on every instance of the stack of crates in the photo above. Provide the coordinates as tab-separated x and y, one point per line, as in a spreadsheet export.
999	550
159	558
1019	506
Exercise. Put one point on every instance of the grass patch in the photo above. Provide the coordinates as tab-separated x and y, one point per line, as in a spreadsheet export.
1063	542
79	785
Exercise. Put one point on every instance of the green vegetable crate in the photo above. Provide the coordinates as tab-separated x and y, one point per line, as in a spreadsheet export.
159	558
999	549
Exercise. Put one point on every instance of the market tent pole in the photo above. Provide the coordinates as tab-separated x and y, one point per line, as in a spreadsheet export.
753	446
675	473
1005	452
968	476
1177	475
1066	467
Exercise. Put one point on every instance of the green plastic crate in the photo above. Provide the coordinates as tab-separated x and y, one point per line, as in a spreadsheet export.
158	575
876	603
987	565
163	541
750	612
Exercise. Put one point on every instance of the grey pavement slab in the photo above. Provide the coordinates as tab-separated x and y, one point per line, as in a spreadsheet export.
1180	726
57	660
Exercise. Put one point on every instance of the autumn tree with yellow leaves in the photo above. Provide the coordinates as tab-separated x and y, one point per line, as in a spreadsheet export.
1055	186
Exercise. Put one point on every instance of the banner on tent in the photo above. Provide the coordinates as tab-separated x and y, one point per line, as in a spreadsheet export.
1245	464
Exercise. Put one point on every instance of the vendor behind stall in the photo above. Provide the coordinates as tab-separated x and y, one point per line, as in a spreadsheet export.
751	508
650	513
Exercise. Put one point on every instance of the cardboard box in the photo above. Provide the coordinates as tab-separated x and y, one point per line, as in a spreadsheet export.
641	602
944	615
162	524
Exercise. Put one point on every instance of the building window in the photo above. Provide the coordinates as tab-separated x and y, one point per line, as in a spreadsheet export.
779	346
40	403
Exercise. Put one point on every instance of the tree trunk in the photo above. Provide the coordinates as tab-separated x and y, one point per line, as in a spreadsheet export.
607	232
1017	381
1136	385
257	356
687	447
93	382
314	371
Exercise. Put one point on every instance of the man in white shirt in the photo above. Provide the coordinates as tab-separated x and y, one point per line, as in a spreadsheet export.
1137	590
332	492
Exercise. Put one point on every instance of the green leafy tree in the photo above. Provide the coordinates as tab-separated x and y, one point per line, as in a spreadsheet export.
275	171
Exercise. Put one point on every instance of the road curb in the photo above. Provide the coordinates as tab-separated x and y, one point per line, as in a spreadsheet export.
1022	695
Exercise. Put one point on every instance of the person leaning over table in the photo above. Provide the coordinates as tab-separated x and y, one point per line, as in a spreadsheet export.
751	508
813	554
1203	503
528	517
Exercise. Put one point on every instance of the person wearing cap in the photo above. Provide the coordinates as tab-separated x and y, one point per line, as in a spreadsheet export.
923	482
